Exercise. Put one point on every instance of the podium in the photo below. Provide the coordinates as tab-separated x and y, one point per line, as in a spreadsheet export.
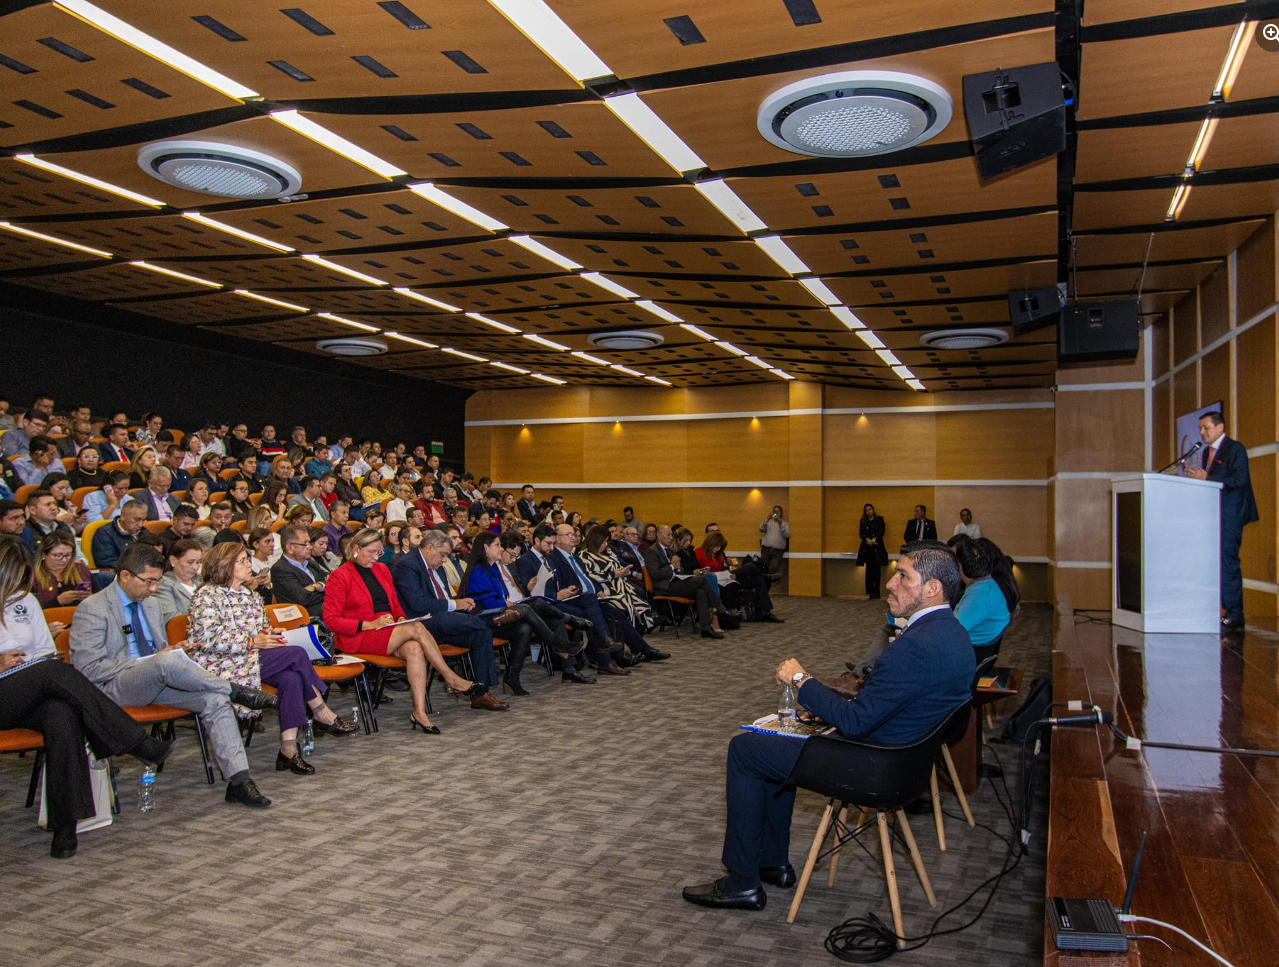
1166	554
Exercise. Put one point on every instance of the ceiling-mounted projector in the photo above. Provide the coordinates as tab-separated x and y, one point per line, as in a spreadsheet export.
219	169
854	114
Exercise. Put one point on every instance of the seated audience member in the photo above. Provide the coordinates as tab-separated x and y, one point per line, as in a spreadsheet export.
41	459
318	465
192	448
489	584
294	577
409	465
58	579
247	473
297	440
268	446
42	518
181	478
275	498
173	594
1001	570
118	642
374	519
111	540
650	537
6	420
982	610
916	684
209	441
749	575
630	520
966	525
282	469
660	560
180	528
347	492
339	515
56	700
454	562
161	505
309	497
233	640
373	493
198	497
432	510
618	599
59	485
628	551
398	508
149	431
13	521
116	449
77	440
105	503
237	443
88	470
262	545
323	561
526	568
390	467
410	539
140	466
237	496
362	610
217	527
328	490
208	470
17	441
575	594
423	589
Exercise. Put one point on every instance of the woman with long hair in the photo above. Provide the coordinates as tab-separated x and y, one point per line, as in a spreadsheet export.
209	470
237	496
59	485
59	580
181	579
198	497
233	639
871	553
263	543
54	699
650	537
619	602
1001	569
346	490
274	497
140	467
191	446
323	559
749	576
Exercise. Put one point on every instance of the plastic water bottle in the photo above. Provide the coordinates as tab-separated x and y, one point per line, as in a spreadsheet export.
146	790
787	709
355	715
308	740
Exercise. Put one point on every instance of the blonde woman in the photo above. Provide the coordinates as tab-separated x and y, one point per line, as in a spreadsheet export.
140	467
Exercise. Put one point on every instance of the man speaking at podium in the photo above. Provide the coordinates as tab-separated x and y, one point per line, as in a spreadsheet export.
1226	461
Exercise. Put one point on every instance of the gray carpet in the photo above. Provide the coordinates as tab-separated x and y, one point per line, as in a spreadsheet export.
559	832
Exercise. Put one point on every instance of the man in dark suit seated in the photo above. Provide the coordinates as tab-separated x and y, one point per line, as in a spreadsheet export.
111	539
248	472
1226	461
661	571
574	594
525	568
116	449
292	577
159	502
527	505
423	589
922	677
920	528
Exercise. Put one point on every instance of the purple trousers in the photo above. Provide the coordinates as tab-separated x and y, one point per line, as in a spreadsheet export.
289	671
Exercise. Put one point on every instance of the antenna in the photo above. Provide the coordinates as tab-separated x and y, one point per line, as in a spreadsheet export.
1132	877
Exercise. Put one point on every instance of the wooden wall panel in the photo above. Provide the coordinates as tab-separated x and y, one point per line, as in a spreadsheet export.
628	400
880	446
639	452
895	504
1214	378
1083	520
748	398
741	449
1159	340
1162	424
1256	420
1015	518
1259	545
1185	328
1089	588
1185	391
1214	305
1257	272
1006	444
531	453
1100	431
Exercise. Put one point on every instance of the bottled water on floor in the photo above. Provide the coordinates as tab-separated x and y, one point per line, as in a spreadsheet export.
307	742
146	790
355	715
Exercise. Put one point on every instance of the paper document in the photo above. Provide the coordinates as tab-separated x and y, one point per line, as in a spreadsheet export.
544	575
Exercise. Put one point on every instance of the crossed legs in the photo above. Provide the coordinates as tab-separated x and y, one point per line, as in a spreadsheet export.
415	645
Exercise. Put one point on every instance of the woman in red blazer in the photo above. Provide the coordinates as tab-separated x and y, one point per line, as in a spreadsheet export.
361	608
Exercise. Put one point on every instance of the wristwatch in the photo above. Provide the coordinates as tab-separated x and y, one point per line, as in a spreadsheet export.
798	678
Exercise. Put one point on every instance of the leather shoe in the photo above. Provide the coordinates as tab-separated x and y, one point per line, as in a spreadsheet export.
768	616
64	842
712	633
252	698
246	794
782	876
336	727
712	895
576	677
488	703
654	655
294	763
152	751
613	668
580	624
506	617
1228	625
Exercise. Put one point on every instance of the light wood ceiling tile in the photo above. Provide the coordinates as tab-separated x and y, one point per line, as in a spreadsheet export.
1216	241
673	211
1244	141
18	253
961	284
112	280
1117	209
1112	154
205	308
26	191
1147	74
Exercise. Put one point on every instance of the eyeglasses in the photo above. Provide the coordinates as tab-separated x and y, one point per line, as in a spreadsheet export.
299	544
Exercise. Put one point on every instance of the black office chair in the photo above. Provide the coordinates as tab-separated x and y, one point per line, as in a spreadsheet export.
873	777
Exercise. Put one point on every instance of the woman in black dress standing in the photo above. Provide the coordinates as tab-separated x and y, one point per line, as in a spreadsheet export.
872	554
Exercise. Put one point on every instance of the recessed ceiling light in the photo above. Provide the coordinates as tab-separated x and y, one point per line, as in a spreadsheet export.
177	275
548	379
35	162
655	309
731	207
732	349
335	142
237	232
513	369
821	291
756	361
609	285
777	250
847	317
870	339
458	207
654	132
347	322
914	384
695	331
655	379
622	369
782	373
544	251
55	241
544	341
540	24
344	270
592	359
888	357
214	168
267	299
458	352
491	322
903	372
410	340
409	293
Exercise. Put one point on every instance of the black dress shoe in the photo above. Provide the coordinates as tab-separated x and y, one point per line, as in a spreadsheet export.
64	842
770	617
152	751
712	895
414	725
654	655
782	876
252	698
294	763
246	794
613	668
336	727
712	633
577	678
580	624
1228	625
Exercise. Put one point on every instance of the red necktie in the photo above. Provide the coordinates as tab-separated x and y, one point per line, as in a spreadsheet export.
435	582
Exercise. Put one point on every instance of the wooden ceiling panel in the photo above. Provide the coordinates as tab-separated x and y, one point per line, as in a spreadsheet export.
1111	154
983	312
1216	241
65	78
1121	77
962	284
112	280
1244	141
466	45
155	236
206	308
939	189
1129	280
267	275
1096	210
718	120
464	264
19	254
1230	201
26	191
1259	75
284	330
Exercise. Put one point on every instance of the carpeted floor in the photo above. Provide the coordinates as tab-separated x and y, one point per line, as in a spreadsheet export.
559	832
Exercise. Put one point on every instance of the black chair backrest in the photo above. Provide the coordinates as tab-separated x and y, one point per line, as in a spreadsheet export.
984	665
869	774
957	724
982	652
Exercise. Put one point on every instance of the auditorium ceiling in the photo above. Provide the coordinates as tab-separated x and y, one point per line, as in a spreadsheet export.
487	184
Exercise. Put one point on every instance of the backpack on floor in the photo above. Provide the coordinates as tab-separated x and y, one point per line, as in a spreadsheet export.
1034	708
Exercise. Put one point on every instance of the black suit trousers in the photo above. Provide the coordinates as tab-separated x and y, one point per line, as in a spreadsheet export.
695	587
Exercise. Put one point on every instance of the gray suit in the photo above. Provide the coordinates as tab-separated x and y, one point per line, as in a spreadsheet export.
171	599
100	650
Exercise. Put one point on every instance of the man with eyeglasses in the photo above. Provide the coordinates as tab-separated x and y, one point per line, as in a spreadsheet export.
118	642
292	577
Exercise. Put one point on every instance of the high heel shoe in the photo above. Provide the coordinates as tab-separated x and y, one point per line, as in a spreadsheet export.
513	688
475	689
414	725
294	764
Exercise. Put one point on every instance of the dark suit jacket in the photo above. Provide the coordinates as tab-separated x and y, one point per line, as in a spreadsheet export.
1230	469
145	496
290	587
413	586
626	554
660	572
527	510
565	576
108	544
109	453
912	531
66	447
872	552
525	568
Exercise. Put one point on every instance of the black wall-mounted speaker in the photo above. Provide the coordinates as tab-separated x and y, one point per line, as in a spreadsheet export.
1015	116
1091	331
1031	309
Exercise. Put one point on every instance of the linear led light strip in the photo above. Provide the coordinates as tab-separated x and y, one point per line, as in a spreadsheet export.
177	275
18	229
30	159
237	232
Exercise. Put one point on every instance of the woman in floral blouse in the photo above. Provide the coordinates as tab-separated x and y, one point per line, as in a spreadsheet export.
233	639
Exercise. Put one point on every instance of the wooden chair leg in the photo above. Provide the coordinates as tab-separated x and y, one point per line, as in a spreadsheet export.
916	858
834	856
810	862
937	817
890	874
990	718
954	781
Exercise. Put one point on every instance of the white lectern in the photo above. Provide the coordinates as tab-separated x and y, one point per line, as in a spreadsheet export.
1166	558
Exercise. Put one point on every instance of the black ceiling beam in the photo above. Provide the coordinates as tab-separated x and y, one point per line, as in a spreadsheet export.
1181	21
1184	115
1220	176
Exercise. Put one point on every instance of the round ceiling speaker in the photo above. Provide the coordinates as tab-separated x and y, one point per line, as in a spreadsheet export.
353	346
219	169
964	338
854	114
630	339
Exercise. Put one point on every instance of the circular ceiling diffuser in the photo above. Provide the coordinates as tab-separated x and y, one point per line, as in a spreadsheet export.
854	114
963	338
353	346
219	169
630	339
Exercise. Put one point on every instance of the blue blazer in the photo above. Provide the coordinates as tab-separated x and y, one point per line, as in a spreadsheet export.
921	678
1230	469
413	586
484	584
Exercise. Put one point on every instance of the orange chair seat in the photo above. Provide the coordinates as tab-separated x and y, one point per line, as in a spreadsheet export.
20	740
269	689
671	597
339	673
382	661
148	714
453	651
